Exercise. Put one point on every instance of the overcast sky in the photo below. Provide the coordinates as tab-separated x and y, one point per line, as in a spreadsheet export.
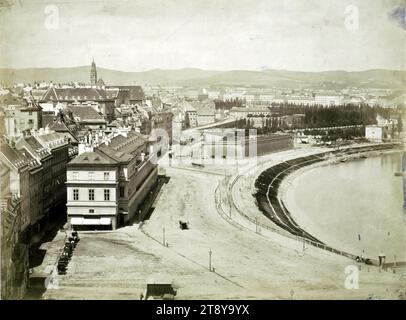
137	35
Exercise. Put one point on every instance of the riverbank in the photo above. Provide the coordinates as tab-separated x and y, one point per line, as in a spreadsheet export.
350	202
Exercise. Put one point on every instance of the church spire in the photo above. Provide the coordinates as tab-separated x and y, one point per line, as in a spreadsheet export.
93	73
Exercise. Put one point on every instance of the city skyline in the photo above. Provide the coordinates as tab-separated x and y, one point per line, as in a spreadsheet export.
225	35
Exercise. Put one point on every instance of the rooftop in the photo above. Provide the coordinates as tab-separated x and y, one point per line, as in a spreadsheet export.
17	158
78	94
94	157
121	148
86	113
135	92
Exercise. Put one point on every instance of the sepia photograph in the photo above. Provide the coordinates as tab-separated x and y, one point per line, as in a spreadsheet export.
229	150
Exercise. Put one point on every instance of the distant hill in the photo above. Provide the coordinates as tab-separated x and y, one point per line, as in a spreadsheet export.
205	78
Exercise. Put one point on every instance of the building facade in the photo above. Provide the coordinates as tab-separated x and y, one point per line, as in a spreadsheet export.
107	184
205	117
19	115
102	101
51	150
374	133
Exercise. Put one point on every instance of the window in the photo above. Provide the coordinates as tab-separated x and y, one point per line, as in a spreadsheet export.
75	176
106	176
91	194
30	121
91	175
91	210
76	194
121	192
106	195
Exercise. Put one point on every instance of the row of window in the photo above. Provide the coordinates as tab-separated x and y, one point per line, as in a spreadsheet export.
91	194
75	175
76	97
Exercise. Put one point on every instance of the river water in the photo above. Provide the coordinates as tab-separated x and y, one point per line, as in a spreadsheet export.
355	206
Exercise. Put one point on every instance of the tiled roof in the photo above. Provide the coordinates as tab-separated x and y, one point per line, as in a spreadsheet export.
135	92
18	158
34	144
69	136
205	112
94	157
86	113
207	104
9	98
13	156
51	140
78	94
59	126
53	122
48	119
122	148
185	106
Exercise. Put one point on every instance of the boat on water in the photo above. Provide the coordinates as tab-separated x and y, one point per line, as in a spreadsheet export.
363	156
343	160
398	174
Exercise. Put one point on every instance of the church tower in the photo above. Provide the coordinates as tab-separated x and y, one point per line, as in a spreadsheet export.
93	74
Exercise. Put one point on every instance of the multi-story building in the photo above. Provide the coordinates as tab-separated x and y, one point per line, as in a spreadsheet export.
18	179
205	117
191	118
107	184
14	252
231	145
19	115
128	95
87	118
301	100
328	100
20	204
374	133
101	100
50	149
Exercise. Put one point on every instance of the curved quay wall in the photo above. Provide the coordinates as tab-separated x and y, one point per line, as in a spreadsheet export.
267	186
